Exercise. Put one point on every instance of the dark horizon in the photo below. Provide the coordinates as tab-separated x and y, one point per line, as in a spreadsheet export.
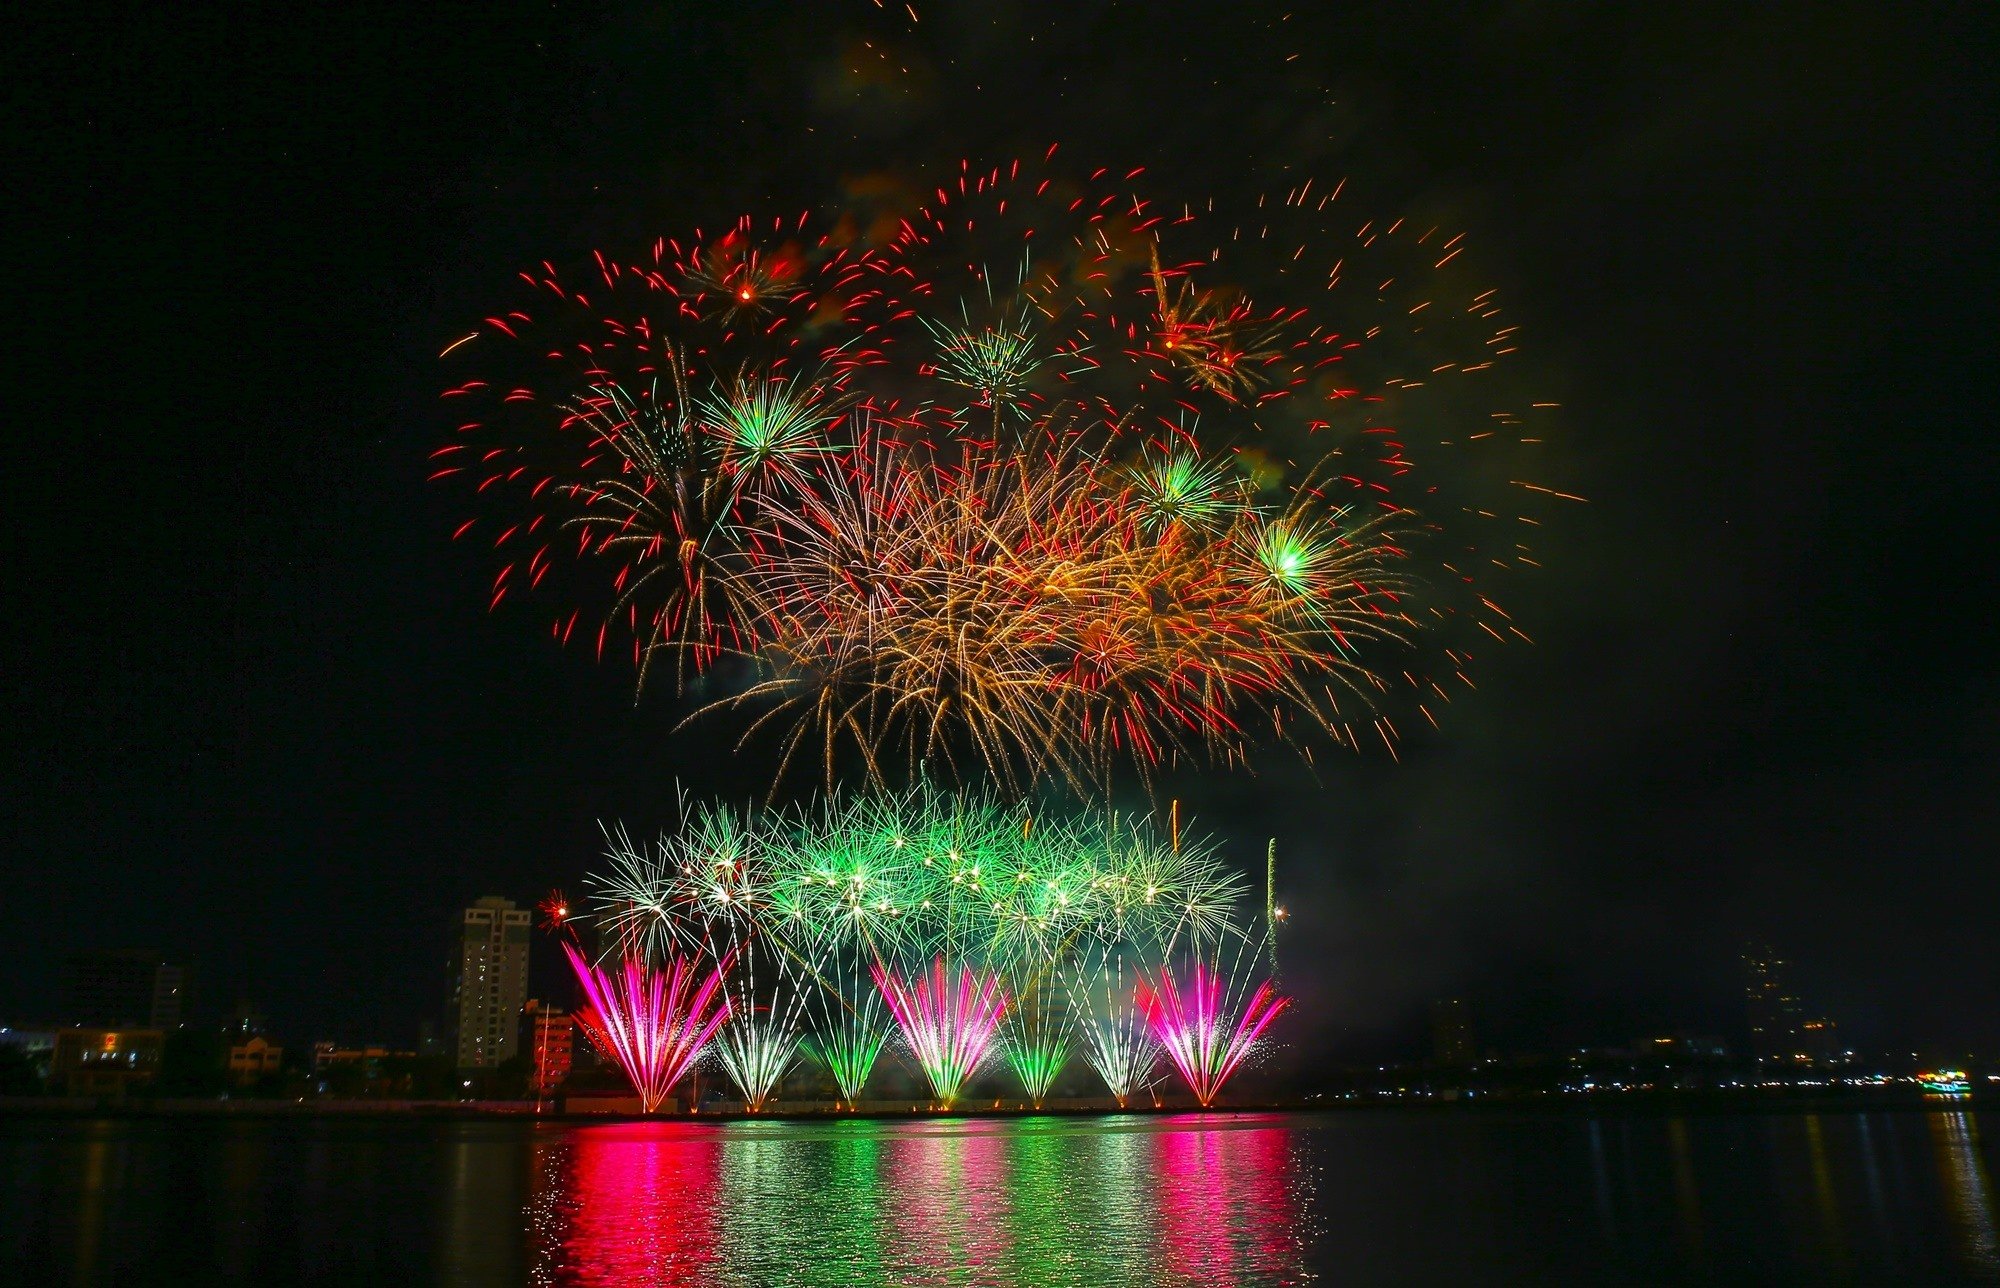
264	722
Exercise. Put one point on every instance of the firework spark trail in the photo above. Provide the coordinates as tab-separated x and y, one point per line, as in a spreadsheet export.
761	1042
849	1024
1203	1033
949	1027
1118	1042
849	1044
1036	1037
756	1050
654	1023
834	909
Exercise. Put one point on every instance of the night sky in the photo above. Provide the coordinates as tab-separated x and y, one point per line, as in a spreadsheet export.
260	718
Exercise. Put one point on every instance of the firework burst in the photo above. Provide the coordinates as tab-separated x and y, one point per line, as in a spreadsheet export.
849	1046
993	363
768	425
1117	1042
1016	615
654	1023
1206	528
948	1024
767	1003
1204	1033
756	1050
1037	1037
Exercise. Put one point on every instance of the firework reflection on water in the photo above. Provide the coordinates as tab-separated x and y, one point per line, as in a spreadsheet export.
1183	1200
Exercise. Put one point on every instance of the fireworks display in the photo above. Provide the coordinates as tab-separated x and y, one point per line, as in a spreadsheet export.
963	933
1027	480
1033	479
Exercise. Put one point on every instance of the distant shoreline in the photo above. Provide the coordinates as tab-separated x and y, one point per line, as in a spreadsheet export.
1636	1104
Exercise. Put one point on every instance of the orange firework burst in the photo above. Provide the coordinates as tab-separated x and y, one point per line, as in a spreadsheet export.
1015	607
1036	481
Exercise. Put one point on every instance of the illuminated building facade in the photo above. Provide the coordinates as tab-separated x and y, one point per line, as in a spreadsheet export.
489	982
254	1059
104	1062
551	1044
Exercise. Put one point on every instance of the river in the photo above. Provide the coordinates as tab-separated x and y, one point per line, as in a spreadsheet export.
1363	1197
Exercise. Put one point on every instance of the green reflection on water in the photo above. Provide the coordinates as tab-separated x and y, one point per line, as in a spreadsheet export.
815	1220
1051	1200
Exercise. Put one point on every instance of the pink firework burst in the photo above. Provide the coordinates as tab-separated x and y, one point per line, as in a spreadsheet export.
1204	1039
949	1026
653	1023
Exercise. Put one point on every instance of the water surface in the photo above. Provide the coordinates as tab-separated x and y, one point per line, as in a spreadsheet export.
1350	1198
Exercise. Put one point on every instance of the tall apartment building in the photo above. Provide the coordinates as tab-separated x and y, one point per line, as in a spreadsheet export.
123	989
1781	1030
1773	1012
489	983
1451	1033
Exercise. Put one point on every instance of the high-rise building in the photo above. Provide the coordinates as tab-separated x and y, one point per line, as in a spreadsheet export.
1780	1030
1773	1011
1451	1033
489	983
123	989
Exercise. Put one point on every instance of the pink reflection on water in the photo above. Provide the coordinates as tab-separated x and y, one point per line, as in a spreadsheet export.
1229	1209
627	1203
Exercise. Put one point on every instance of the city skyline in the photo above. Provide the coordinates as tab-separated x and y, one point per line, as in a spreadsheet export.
1761	1019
